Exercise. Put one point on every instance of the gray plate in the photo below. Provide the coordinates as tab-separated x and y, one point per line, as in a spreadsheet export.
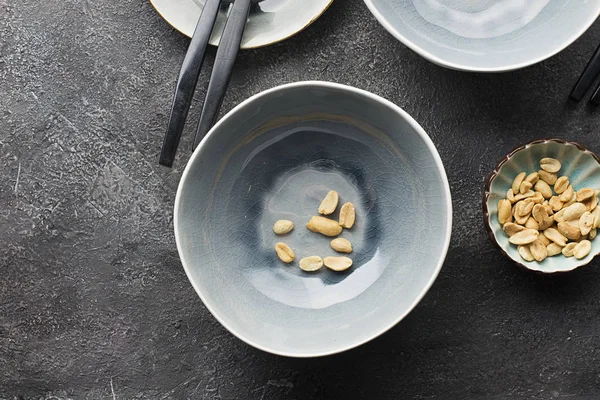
269	22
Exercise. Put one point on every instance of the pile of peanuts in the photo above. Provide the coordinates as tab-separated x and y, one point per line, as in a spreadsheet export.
550	216
325	226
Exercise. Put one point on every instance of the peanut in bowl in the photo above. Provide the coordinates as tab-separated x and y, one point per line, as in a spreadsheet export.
542	239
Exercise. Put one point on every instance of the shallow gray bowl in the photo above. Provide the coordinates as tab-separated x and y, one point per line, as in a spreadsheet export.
486	35
275	156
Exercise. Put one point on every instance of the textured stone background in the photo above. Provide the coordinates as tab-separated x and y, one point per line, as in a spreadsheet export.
94	303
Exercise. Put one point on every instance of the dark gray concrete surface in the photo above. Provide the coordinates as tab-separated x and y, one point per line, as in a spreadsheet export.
94	303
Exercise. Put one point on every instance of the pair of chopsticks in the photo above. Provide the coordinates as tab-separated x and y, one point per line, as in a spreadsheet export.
190	71
587	78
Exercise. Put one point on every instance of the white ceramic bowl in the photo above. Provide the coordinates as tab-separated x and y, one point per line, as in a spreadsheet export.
275	156
486	35
578	163
269	22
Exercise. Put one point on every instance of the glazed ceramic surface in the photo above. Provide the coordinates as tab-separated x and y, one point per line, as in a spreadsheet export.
270	21
579	164
486	35
275	157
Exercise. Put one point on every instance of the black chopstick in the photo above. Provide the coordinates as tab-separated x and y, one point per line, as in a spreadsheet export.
587	78
221	73
595	99
188	78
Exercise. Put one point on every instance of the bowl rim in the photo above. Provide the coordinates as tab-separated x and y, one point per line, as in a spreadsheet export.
194	159
487	192
463	67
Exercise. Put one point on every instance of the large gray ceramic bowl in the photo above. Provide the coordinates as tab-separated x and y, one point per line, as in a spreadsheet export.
275	156
486	35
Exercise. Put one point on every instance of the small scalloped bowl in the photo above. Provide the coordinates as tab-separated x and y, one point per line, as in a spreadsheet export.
578	163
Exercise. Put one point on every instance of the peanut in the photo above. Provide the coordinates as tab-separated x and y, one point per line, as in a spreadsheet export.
553	249
546	223
283	226
521	196
310	264
544	189
538	251
574	211
586	222
544	240
338	263
569	231
567	195
348	215
524	208
525	186
524	237
547	177
539	213
550	165
324	226
568	249
591	203
532	178
504	212
582	249
559	216
284	252
517	182
556	237
329	203
561	184
538	198
341	245
532	224
511	228
525	253
555	203
584	194
596	215
510	196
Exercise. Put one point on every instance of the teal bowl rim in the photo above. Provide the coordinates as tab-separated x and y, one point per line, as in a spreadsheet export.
463	67
487	193
196	157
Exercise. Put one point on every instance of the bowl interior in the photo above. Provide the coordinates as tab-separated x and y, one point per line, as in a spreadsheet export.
580	166
486	34
275	157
